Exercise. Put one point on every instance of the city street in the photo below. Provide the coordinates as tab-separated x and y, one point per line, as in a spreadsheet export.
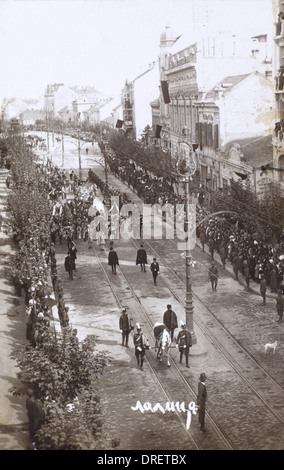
142	228
231	327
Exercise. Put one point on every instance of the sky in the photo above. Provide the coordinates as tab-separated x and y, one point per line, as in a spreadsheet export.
102	43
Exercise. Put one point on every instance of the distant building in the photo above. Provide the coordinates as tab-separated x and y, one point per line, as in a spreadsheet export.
14	108
136	97
70	103
104	111
29	117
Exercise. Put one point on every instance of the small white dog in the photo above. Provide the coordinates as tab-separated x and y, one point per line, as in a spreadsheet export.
270	346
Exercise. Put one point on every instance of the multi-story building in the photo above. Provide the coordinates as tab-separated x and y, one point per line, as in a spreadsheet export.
214	92
234	113
278	71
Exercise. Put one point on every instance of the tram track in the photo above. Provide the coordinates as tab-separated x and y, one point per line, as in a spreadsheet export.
175	388
255	371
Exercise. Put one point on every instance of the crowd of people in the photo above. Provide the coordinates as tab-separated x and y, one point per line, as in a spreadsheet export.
233	240
35	269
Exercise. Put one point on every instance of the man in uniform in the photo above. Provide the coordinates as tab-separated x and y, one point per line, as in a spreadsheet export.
213	276
141	344
125	326
170	320
184	342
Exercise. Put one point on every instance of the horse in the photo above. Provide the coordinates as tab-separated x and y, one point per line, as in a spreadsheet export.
163	342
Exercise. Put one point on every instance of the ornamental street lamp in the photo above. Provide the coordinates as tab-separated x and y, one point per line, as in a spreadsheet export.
189	168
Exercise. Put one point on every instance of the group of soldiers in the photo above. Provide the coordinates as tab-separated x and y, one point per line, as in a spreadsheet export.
183	343
141	344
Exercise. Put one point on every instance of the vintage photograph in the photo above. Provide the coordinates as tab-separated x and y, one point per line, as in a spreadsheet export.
141	227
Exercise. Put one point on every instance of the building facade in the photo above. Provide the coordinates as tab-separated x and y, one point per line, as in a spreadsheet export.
278	71
212	94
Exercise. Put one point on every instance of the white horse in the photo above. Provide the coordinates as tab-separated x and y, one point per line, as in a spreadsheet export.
163	342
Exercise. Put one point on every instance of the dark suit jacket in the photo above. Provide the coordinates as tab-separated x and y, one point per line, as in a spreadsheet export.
155	267
141	256
201	397
112	258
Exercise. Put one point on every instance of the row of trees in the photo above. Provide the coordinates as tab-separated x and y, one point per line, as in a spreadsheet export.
59	375
263	213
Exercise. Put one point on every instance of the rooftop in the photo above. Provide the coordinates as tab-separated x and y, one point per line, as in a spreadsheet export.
226	85
257	151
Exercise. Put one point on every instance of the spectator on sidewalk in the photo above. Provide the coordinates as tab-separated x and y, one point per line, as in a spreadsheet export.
36	416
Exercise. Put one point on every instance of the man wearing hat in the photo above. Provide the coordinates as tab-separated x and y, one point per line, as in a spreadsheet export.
125	326
141	344
155	269
201	400
213	276
141	257
170	320
113	259
184	342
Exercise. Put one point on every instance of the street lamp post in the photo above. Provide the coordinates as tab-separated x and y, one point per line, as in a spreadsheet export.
189	171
